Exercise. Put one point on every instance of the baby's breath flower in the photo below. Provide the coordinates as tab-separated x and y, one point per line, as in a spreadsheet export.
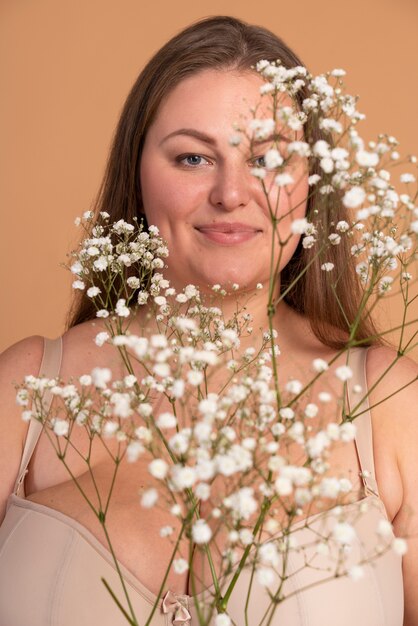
282	180
133	282
142	297
344	372
93	291
195	378
385	284
319	365
158	468
344	533
166	531
100	264
294	386
283	486
334	239
308	241
121	309
134	451
299	147
180	566
265	576
201	532
384	528
313	179
354	197
76	268
101	338
60	427
407	178
338	72
129	380
330	125
356	572
327	165
287	413
259	172
311	410
299	226
262	128
149	498
342	226
399	546
22	397
348	431
273	159
166	420
27	416
242	503
367	159
322	548
121	404
235	140
101	376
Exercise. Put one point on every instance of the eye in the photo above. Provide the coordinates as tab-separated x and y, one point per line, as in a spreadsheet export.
191	160
258	162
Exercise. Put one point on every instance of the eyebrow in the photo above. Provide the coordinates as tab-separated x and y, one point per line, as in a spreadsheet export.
191	132
197	134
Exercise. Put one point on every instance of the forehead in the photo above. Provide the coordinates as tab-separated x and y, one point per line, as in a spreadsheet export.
214	100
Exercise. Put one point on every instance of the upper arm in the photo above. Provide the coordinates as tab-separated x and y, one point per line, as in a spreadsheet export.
397	415
16	362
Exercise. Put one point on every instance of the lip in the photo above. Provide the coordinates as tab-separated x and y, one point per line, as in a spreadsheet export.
228	233
228	227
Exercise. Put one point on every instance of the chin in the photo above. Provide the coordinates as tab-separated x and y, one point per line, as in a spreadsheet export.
227	279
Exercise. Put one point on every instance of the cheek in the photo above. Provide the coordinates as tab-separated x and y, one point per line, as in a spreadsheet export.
291	207
166	196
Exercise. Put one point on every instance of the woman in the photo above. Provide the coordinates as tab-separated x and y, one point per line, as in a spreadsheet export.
172	162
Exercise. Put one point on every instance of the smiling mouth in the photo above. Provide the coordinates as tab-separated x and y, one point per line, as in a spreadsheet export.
228	227
227	233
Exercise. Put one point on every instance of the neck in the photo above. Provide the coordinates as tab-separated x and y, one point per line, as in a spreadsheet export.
253	304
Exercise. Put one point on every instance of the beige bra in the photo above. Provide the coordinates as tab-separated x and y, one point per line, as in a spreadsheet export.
51	566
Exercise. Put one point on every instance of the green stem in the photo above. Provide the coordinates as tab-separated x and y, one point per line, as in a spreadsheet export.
222	604
119	605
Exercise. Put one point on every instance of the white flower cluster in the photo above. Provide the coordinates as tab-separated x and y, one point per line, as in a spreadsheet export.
116	249
347	170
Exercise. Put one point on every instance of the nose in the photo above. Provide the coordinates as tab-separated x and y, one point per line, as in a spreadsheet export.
231	187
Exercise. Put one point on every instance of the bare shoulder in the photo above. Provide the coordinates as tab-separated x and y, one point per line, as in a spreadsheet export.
19	360
81	352
386	358
393	384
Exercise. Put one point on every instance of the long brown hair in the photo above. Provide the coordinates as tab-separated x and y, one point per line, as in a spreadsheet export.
224	42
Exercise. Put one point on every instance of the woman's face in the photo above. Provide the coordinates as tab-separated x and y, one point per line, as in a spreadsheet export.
198	188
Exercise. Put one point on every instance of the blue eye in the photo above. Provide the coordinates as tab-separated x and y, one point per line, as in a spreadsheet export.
191	160
259	162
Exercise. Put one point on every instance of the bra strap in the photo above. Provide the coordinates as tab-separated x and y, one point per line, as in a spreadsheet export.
358	401
50	368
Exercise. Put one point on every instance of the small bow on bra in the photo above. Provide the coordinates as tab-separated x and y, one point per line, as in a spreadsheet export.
171	604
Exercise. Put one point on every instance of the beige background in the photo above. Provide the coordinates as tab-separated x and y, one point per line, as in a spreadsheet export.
66	67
